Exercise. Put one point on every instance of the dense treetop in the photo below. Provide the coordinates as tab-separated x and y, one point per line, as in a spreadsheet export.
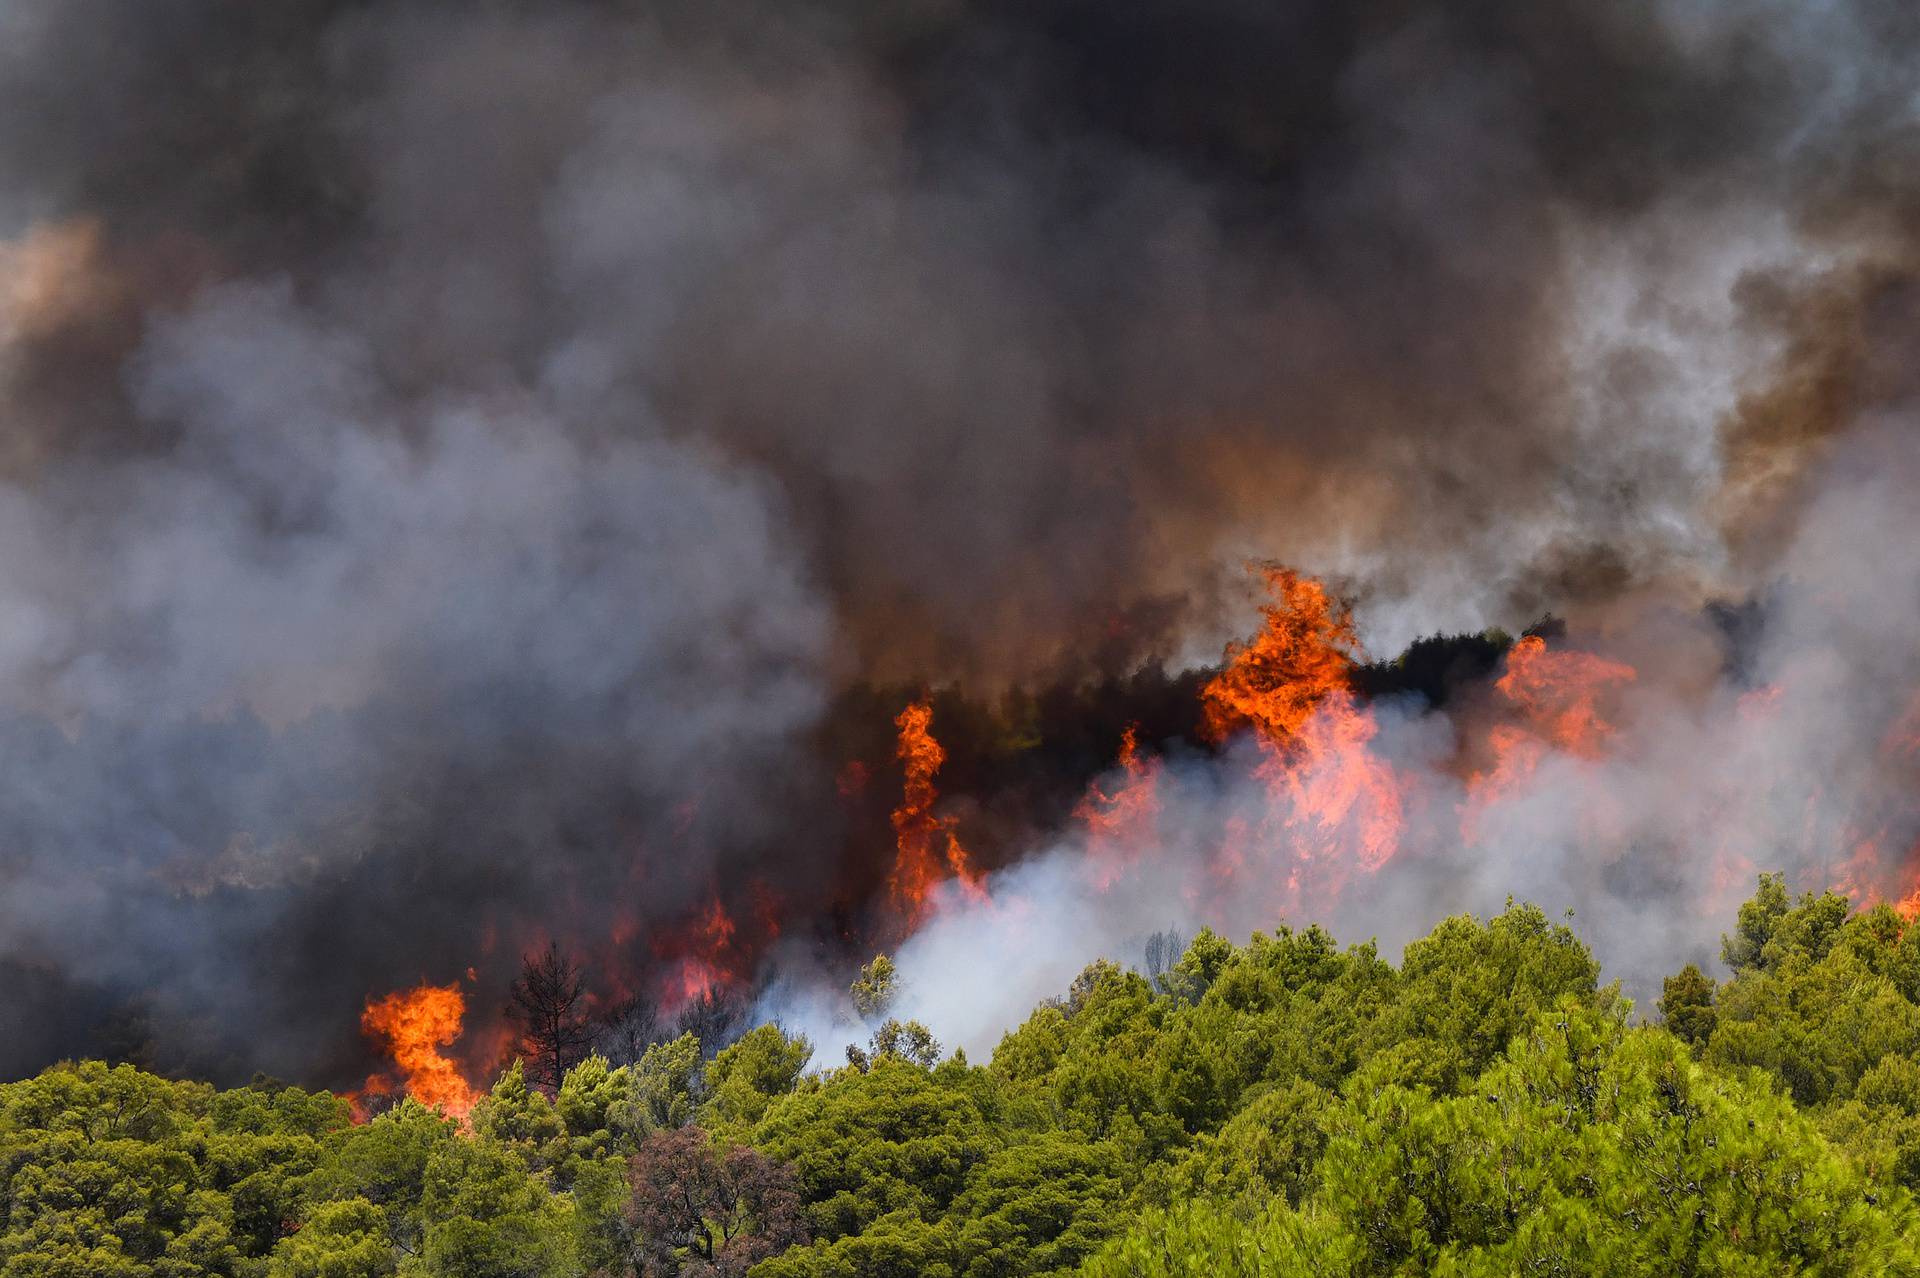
1285	1106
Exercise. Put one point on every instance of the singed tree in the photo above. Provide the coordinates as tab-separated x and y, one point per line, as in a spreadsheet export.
549	1009
715	1017
627	1029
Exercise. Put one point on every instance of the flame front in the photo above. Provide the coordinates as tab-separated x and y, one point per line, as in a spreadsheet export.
1554	697
1308	791
1879	821
1345	801
412	1026
1559	693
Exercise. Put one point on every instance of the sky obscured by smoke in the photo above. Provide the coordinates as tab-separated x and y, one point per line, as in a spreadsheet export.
450	456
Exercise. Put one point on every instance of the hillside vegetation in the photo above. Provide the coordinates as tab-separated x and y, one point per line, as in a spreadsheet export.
1287	1106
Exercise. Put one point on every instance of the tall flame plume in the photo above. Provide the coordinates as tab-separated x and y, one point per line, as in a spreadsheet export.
927	847
412	1026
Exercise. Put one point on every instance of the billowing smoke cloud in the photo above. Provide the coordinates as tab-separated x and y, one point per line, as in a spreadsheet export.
456	457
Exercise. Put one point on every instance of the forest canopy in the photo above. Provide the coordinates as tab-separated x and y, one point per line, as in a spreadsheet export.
1485	1106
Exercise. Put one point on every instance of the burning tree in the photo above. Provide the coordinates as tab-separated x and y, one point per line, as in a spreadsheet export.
928	847
549	1009
713	1016
1306	653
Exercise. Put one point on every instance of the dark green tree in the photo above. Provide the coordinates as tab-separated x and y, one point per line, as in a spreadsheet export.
1686	1005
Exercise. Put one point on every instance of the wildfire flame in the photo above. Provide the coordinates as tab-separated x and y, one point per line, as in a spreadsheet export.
1556	695
1878	820
412	1026
1559	692
1336	804
1120	823
927	848
1304	653
705	967
1903	745
1345	800
1325	808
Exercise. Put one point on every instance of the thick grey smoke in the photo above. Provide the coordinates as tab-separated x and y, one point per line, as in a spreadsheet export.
316	645
453	456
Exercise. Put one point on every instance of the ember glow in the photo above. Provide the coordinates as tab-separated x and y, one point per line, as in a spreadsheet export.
705	962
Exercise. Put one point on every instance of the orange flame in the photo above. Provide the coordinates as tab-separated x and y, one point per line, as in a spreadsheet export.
924	841
1345	801
1559	692
1121	822
705	955
1902	744
1881	821
1909	905
716	925
1341	804
412	1026
1305	652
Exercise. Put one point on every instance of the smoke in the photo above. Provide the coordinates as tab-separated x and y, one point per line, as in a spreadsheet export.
1791	746
308	699
461	463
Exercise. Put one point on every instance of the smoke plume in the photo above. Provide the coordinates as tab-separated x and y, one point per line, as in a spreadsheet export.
476	475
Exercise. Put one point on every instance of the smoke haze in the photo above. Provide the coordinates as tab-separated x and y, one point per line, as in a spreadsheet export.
463	469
